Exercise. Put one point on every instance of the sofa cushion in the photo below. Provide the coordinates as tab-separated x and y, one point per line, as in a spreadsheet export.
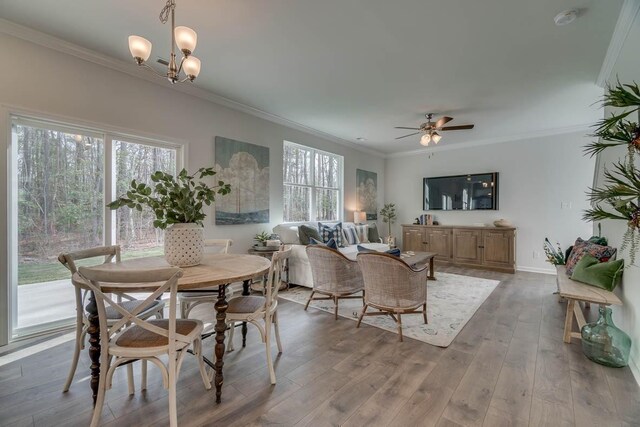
363	232
288	233
351	236
305	232
582	247
605	275
331	231
394	251
374	236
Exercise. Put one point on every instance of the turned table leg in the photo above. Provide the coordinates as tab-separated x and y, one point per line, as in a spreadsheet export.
94	345
220	328
432	273
245	292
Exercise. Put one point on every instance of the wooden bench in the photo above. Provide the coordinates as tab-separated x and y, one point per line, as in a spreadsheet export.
575	293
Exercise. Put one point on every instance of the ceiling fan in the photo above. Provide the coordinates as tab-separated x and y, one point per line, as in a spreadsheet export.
430	129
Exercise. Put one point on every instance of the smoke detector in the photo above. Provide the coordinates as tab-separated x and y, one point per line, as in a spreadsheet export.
566	17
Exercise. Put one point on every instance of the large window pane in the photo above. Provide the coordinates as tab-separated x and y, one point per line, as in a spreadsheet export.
60	208
297	167
134	229
327	205
326	170
297	202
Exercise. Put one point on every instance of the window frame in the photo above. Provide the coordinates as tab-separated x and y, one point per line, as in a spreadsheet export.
313	187
8	296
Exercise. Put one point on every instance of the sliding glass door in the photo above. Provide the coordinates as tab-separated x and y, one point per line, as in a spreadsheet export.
63	177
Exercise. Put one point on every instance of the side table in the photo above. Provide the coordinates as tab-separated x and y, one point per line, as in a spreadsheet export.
259	286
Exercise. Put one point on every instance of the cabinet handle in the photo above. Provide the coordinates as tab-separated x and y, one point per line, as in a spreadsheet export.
425	243
481	247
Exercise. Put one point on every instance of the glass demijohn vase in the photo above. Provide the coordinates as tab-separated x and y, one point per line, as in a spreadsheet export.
604	343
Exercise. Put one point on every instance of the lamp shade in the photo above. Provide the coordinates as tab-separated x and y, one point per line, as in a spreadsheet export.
426	138
359	217
140	48
191	67
186	39
436	137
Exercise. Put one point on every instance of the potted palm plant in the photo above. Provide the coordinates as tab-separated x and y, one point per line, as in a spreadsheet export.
388	214
177	202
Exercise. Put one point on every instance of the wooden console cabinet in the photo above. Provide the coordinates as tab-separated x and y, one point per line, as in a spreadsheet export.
491	248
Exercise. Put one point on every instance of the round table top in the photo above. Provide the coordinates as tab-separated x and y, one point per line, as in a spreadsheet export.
214	270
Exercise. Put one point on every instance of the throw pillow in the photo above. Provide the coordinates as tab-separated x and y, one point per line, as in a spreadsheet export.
581	247
305	233
363	232
394	251
374	236
330	244
331	231
605	275
598	240
350	235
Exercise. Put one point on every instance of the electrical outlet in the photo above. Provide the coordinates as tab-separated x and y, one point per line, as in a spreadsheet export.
565	205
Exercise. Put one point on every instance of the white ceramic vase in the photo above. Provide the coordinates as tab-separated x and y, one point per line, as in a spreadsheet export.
184	244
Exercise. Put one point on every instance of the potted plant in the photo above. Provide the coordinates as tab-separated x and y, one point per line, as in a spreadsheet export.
262	238
388	214
177	203
618	197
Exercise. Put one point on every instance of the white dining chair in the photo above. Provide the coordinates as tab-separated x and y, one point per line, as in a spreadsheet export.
133	338
261	311
88	256
191	299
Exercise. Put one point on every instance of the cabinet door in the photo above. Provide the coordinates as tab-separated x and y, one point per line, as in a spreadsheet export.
412	239
467	246
439	241
498	248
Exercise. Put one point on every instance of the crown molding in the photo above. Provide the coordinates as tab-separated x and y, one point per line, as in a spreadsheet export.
497	140
626	18
60	45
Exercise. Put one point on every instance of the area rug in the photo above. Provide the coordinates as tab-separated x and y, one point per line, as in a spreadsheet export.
451	302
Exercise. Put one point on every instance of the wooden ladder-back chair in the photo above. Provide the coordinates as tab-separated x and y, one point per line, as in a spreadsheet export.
109	254
392	287
261	311
190	299
133	338
334	275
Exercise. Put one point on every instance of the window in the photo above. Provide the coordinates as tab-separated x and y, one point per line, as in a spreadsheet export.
63	178
312	184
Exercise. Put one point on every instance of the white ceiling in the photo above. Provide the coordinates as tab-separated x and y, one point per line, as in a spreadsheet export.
357	68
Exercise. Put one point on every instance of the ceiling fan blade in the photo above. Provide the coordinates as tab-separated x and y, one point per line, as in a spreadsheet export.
400	127
411	134
458	127
443	121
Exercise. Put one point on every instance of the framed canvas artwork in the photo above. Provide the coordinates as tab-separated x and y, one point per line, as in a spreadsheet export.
367	193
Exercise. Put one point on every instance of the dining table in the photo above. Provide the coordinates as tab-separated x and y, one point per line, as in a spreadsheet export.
215	270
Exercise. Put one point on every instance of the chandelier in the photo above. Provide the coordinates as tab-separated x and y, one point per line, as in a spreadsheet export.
184	37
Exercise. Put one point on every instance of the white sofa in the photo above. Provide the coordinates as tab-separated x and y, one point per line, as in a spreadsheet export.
299	267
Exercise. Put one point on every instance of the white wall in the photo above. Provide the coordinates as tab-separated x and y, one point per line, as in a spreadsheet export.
626	317
53	83
536	176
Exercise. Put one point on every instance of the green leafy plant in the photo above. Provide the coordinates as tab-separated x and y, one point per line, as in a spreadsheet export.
173	200
616	130
262	237
388	214
554	255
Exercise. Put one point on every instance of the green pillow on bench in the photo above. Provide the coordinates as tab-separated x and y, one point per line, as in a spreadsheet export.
605	275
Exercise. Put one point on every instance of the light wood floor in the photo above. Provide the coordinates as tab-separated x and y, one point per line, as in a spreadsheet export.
507	367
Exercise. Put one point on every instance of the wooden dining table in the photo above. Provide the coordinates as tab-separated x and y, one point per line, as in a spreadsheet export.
215	270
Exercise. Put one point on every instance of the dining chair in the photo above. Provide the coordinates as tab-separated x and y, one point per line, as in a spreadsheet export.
334	275
133	338
87	256
392	287
261	311
190	299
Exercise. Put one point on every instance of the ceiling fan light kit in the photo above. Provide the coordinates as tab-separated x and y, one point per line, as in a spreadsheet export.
183	37
429	130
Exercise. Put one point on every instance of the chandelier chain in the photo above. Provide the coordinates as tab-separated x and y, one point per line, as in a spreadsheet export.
164	13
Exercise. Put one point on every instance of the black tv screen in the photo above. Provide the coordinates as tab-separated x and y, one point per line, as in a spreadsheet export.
461	192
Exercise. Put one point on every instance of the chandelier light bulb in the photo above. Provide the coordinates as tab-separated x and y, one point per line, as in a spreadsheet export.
436	137
186	39
140	48
426	138
191	67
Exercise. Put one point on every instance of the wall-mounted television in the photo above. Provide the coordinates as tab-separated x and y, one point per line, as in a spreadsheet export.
461	192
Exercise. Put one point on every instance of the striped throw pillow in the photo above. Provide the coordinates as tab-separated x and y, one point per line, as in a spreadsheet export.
363	233
351	235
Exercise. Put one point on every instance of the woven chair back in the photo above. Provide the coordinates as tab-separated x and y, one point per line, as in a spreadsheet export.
162	279
333	272
390	283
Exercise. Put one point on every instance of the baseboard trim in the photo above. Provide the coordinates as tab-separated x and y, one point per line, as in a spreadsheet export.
536	270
